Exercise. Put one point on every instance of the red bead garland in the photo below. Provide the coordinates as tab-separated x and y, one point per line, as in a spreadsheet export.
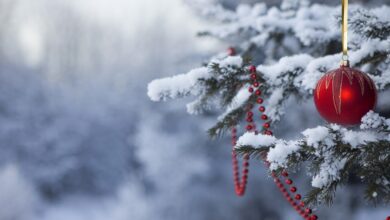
240	185
231	51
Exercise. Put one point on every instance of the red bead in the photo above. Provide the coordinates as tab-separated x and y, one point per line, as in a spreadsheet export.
266	125
345	95
258	92
264	117
298	197
253	76
246	171
259	101
293	189
308	211
302	204
250	89
246	164
231	51
388	218
289	181
256	84
249	119
285	173
268	133
249	127
249	114
252	69
314	217
261	108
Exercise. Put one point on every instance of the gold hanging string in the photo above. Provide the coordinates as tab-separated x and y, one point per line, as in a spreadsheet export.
344	29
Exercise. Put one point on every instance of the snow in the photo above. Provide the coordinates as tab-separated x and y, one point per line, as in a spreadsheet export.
189	83
238	101
321	135
382	13
274	101
316	136
255	140
315	25
329	172
372	120
369	48
275	72
229	62
178	86
197	107
279	154
316	69
356	138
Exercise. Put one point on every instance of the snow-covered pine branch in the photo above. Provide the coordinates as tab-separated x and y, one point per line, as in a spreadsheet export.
296	75
332	150
293	47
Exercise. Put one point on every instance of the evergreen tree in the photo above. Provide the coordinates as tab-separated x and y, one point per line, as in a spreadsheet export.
292	46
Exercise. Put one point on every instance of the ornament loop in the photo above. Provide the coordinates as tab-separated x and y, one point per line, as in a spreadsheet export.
345	61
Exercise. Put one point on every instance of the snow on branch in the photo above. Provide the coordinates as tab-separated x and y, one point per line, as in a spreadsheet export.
303	71
371	24
178	86
331	150
191	83
293	47
290	75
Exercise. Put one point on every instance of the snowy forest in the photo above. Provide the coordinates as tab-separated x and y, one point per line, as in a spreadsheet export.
82	139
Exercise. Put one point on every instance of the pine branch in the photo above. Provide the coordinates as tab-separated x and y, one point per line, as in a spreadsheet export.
369	25
333	155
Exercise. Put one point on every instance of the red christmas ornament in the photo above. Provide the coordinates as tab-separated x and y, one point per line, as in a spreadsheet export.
343	96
